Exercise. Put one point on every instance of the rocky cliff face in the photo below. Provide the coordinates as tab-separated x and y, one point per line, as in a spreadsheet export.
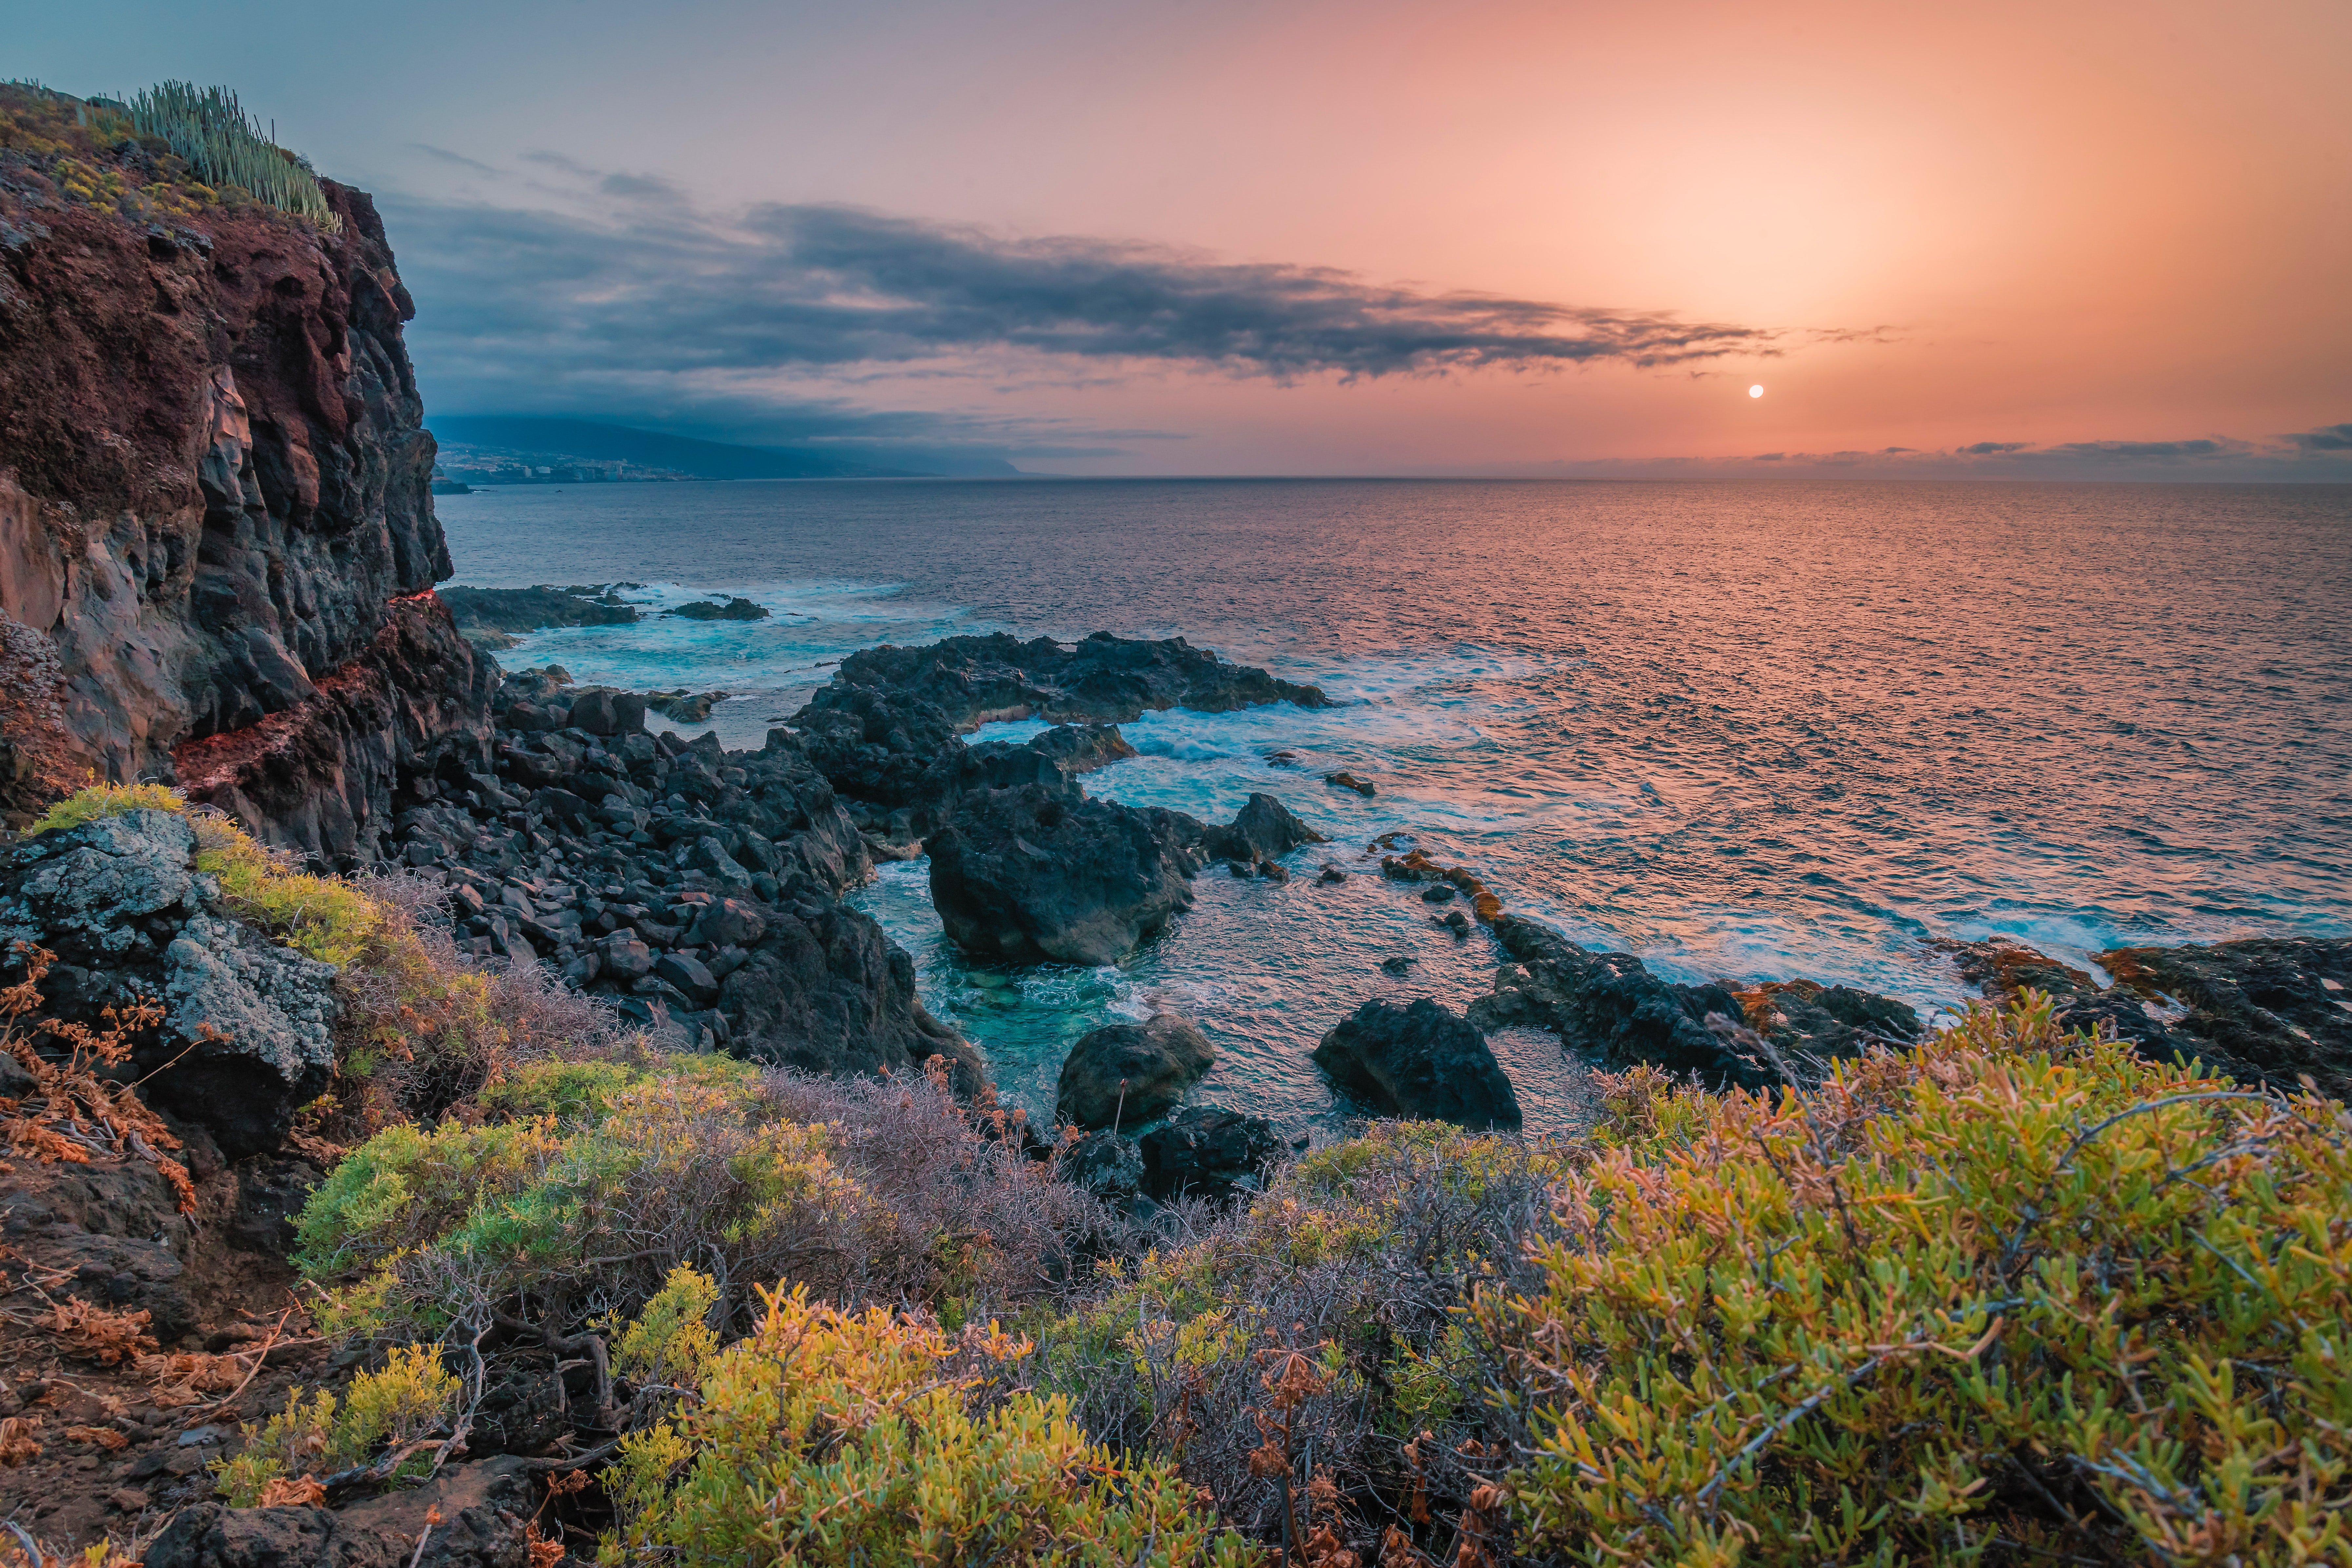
215	502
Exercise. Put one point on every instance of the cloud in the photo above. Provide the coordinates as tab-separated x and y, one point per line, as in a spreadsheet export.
2326	438
624	301
447	156
2140	450
2322	455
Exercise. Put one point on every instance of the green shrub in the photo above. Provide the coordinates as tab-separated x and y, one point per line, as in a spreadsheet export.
94	801
395	1406
829	1437
2011	1297
586	1215
329	918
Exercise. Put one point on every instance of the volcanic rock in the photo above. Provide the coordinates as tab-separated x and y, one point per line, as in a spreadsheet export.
1040	875
2268	1010
1105	1164
248	1023
1419	1060
1128	1074
734	609
536	609
1208	1152
1825	1020
479	1509
214	497
1264	830
1610	1005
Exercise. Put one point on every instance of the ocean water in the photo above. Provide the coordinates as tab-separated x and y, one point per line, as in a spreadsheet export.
1747	732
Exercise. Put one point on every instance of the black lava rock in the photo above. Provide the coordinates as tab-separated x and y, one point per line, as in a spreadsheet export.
1208	1152
1419	1060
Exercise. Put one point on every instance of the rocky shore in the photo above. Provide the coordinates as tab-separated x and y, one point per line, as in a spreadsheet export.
218	560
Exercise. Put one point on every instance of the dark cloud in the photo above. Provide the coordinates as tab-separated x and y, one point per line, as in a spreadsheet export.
2326	438
2324	456
527	299
2140	450
447	156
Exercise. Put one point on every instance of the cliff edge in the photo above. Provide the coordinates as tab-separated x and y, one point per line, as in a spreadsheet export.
215	493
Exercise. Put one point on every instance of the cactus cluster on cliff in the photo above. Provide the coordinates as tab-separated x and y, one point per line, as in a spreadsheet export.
172	150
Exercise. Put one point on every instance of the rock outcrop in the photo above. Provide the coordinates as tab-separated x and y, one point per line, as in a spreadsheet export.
2266	1010
1609	1004
214	487
1419	1060
698	889
1041	875
1805	1016
1208	1152
247	1028
1103	679
1128	1074
469	1516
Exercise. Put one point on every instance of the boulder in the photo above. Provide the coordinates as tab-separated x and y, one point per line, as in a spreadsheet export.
727	922
1208	1152
257	1023
1128	1074
601	711
1105	1164
1039	874
482	1509
1419	1060
248	1023
1264	830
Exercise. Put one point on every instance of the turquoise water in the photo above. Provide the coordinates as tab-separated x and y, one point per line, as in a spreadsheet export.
1748	731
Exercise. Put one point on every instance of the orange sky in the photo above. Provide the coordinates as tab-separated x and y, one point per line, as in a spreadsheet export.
2077	221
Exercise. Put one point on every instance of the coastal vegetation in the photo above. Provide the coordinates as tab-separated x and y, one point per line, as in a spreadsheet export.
2012	1293
170	152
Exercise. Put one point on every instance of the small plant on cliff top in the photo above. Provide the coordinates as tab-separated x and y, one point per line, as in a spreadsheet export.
2010	1297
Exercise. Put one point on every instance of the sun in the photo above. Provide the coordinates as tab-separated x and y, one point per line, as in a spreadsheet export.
1756	390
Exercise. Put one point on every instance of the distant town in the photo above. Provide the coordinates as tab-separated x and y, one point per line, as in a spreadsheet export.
462	466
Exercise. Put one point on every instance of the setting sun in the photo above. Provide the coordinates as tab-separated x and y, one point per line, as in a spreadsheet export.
1756	390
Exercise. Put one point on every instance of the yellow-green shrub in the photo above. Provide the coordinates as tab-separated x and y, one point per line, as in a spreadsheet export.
595	1210
411	1396
95	801
326	917
2011	1295
671	1340
831	1436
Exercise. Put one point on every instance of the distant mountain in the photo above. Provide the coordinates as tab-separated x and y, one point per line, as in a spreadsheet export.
586	439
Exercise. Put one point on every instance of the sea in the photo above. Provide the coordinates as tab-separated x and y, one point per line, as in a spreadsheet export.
1744	730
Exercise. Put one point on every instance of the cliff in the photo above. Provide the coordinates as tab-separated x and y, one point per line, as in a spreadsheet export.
215	493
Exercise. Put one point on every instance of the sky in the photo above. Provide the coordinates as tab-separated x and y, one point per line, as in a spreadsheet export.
2060	239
